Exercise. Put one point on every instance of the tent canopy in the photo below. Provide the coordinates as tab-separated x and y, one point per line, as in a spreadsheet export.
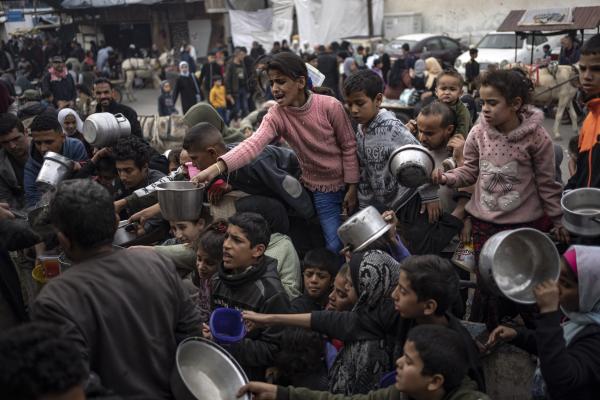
582	18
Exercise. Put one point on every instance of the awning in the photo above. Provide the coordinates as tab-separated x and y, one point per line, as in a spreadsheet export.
77	4
583	18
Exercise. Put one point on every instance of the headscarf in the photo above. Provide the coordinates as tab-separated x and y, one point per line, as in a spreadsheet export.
348	65
62	114
271	209
360	364
57	75
204	112
419	68
182	63
433	70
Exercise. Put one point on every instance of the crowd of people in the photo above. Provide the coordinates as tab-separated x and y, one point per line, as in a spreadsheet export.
324	319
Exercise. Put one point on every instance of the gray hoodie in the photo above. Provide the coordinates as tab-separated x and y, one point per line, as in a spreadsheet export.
375	143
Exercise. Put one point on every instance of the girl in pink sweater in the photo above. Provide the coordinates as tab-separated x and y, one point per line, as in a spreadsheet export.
509	157
317	128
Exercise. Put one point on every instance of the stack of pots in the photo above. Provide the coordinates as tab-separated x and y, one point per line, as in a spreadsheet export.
104	129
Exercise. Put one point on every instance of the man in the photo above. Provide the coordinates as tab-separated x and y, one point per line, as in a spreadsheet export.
60	84
13	156
103	91
124	310
47	135
102	60
236	83
210	69
569	51
328	65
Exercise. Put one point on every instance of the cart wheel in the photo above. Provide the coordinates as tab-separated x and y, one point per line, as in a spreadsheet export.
403	117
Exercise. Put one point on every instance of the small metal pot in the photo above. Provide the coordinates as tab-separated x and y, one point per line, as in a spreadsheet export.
55	169
205	371
513	262
180	200
362	229
412	165
125	233
104	129
581	211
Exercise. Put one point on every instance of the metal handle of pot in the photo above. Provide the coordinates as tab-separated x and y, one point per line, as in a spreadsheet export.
596	219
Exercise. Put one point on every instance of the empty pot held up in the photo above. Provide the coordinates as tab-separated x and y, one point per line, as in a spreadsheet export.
180	200
54	170
104	129
581	211
362	229
411	165
513	262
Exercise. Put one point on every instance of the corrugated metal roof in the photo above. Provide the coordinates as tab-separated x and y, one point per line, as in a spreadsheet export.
583	18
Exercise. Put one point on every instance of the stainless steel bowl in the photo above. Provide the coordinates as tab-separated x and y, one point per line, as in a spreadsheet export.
104	129
581	211
180	200
412	165
205	371
513	262
362	229
54	170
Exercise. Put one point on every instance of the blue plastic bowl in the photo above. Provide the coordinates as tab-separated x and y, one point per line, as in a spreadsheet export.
387	379
227	326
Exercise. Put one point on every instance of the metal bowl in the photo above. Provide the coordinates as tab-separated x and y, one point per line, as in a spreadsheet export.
180	200
513	262
581	211
205	371
55	169
363	228
412	165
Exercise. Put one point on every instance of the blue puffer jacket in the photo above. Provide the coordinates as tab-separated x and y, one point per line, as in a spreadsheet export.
72	148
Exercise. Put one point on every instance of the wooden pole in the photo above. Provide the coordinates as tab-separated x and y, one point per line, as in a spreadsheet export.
370	16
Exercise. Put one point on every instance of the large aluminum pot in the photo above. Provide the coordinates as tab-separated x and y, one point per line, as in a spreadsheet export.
104	129
180	200
581	211
362	229
205	371
412	165
513	262
54	170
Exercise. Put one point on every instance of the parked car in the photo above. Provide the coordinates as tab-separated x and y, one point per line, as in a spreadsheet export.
499	48
425	45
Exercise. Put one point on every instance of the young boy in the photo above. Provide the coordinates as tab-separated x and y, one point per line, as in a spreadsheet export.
472	70
248	280
448	90
218	96
433	366
166	104
320	266
587	173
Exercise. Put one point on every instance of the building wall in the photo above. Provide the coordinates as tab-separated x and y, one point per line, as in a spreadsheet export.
470	19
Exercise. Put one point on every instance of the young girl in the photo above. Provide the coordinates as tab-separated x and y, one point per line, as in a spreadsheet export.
209	254
569	355
510	156
72	126
317	128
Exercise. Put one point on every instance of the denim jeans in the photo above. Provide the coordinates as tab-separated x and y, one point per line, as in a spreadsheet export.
223	113
329	209
241	103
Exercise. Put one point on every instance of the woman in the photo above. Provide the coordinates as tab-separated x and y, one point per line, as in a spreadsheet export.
72	126
433	68
188	86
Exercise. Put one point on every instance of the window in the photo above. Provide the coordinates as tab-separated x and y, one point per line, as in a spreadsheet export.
449	44
433	44
497	41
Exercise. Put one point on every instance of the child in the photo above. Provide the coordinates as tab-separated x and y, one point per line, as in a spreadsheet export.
569	355
433	366
166	103
318	130
573	154
319	268
343	295
247	280
448	90
209	253
218	98
588	159
174	158
511	158
472	70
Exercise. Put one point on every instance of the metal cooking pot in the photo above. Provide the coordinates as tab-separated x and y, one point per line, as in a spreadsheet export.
104	129
362	229
180	200
126	232
412	165
205	371
581	211
55	169
513	262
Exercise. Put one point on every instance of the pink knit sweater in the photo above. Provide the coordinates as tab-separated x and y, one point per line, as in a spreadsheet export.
321	135
514	172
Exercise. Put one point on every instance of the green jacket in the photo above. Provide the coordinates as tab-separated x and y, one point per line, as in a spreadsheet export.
288	264
463	118
466	391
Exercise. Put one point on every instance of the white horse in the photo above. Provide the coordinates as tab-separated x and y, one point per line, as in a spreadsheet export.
554	83
145	68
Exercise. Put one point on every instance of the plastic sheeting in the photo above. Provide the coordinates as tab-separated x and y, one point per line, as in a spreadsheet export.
71	4
264	26
323	21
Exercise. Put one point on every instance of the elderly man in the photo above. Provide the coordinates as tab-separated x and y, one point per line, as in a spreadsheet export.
58	82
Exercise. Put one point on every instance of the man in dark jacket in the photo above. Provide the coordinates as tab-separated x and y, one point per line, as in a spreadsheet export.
60	84
13	157
236	83
103	90
125	311
328	65
210	69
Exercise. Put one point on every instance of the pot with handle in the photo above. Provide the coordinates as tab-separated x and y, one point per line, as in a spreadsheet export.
362	229
513	262
581	211
411	165
54	170
104	129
